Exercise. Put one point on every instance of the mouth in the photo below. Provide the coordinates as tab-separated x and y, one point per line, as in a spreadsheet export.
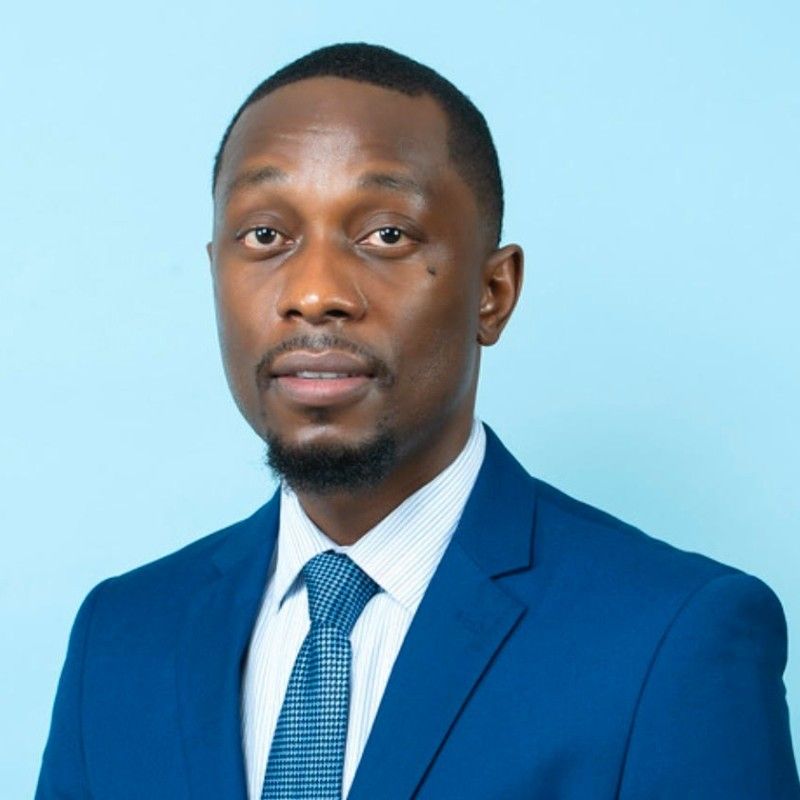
317	380
308	374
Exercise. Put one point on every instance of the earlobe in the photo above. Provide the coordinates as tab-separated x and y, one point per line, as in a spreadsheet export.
502	283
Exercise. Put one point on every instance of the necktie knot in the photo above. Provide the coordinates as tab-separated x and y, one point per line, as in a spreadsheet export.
338	589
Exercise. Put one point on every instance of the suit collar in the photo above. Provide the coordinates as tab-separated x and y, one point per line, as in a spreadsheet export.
248	539
495	529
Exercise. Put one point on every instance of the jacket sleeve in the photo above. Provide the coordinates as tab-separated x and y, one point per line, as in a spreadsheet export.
63	772
712	720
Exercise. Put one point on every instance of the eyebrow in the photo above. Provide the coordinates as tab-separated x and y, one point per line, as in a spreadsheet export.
255	177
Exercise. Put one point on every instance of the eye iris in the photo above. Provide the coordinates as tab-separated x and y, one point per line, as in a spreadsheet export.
264	235
390	235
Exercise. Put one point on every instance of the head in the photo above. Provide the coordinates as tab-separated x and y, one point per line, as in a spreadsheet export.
357	266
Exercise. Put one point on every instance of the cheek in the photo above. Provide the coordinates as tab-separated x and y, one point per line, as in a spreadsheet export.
241	321
440	342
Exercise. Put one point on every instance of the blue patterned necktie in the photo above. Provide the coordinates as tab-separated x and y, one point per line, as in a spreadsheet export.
307	754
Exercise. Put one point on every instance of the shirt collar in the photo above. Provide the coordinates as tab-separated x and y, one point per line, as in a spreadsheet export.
402	551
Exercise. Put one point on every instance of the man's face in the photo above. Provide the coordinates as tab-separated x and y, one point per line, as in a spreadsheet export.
350	265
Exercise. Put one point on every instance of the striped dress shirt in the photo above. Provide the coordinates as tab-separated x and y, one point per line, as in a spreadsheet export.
400	554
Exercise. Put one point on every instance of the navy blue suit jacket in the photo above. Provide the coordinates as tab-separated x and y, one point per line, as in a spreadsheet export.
558	654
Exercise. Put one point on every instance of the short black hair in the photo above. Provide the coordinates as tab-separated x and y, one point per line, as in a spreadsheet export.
472	150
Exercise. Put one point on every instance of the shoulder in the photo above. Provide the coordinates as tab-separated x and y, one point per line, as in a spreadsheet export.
168	581
569	529
581	553
640	577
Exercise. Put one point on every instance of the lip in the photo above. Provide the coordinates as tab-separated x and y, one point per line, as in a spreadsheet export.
334	361
298	376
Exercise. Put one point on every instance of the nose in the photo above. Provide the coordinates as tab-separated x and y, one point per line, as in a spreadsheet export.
320	286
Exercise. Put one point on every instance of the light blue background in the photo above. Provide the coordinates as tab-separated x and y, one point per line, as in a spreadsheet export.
652	162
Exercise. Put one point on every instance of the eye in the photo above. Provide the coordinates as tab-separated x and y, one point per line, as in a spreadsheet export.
387	235
262	237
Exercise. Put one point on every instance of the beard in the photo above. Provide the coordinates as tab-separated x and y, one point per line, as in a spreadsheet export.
330	468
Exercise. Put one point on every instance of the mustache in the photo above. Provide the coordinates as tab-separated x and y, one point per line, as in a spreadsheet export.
317	343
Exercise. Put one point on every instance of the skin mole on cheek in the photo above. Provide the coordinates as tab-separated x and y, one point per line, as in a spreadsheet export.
431	270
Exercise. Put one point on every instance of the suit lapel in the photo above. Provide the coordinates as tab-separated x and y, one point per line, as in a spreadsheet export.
213	644
463	620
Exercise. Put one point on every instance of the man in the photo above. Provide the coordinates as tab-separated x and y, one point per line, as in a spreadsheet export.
412	615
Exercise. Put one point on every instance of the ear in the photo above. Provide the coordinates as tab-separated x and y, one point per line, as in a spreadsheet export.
502	283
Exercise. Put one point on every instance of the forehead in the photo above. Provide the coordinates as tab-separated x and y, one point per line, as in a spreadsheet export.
333	119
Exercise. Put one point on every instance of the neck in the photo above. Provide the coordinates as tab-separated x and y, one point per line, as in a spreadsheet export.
346	516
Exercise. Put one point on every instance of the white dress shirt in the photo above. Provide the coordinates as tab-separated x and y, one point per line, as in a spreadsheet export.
400	554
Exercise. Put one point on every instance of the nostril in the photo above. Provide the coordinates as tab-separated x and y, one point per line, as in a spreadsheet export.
317	301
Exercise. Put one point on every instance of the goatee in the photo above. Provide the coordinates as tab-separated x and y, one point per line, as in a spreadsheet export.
329	468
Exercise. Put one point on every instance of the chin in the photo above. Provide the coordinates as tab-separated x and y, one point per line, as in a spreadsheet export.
323	461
